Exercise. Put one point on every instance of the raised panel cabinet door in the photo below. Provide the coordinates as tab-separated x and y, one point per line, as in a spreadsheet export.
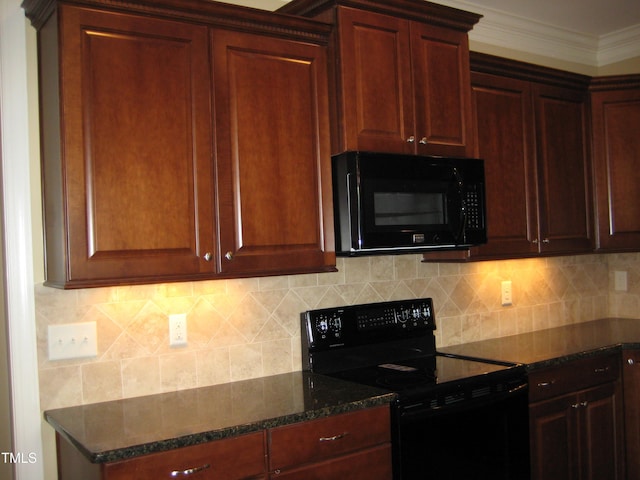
273	156
616	167
554	441
563	170
505	141
129	193
602	430
442	90
376	104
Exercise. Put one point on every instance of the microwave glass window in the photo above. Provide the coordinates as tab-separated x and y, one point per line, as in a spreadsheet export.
398	208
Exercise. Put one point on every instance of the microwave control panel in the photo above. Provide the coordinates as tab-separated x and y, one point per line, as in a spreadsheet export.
362	324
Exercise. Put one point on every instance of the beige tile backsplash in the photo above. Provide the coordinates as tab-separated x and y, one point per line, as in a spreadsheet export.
239	329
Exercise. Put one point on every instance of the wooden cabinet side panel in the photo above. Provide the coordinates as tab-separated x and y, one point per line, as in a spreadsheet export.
631	382
442	89
563	170
377	104
137	144
273	154
616	167
504	130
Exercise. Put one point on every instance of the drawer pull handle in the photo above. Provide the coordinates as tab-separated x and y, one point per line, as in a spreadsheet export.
546	384
601	370
190	471
340	436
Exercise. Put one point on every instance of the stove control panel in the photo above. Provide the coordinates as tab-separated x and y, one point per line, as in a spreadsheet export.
370	323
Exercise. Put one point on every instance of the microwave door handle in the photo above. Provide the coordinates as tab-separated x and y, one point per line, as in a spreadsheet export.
463	207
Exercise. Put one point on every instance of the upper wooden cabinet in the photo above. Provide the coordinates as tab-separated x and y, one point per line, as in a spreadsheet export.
531	129
402	75
182	143
615	111
273	170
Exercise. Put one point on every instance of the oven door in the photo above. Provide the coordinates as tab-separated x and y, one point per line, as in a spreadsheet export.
480	440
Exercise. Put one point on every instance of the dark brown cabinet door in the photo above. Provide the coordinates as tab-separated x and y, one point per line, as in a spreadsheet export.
554	441
128	189
273	154
505	140
578	436
442	93
563	170
405	86
616	167
377	105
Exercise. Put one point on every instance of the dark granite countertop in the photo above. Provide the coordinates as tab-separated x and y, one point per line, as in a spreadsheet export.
554	346
121	429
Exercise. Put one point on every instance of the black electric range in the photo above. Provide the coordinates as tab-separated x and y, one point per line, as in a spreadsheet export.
391	345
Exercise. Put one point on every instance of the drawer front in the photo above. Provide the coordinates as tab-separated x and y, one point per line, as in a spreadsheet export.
370	464
573	376
316	440
235	458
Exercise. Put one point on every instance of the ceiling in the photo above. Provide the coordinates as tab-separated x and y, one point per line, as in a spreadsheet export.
588	17
588	32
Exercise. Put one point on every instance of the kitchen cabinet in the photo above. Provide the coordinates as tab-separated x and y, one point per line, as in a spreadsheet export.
402	75
615	113
353	445
631	381
531	132
576	420
273	159
242	457
164	159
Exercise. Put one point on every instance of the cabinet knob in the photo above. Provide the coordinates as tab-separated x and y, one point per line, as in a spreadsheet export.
207	256
228	255
534	241
631	361
546	240
423	141
411	139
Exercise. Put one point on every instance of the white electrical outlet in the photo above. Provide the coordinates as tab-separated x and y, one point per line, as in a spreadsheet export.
72	340
178	330
507	293
620	280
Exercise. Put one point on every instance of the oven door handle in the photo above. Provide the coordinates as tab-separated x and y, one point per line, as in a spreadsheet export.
424	410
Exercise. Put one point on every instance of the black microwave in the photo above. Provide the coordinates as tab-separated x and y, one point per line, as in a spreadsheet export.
391	203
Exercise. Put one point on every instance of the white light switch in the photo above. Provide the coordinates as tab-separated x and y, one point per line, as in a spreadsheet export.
72	340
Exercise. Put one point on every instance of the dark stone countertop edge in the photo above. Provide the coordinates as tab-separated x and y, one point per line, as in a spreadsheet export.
219	434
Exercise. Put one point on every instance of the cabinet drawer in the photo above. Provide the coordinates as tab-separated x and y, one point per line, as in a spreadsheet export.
573	376
316	440
371	464
235	458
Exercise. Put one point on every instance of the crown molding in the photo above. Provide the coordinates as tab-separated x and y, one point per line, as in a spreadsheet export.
618	46
502	29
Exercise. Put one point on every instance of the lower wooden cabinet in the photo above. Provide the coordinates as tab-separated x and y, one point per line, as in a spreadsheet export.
355	445
576	421
631	381
352	445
